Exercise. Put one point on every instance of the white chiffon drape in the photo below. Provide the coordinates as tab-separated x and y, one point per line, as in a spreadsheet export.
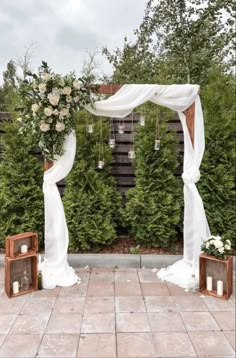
177	98
55	268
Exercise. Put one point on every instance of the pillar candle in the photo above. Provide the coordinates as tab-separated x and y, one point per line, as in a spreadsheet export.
15	287
220	288
209	283
23	249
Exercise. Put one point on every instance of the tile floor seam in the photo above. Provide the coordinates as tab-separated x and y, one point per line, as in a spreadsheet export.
82	318
43	334
220	330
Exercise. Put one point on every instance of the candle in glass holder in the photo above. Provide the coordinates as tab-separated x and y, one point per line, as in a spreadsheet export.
209	283
23	249
220	288
15	287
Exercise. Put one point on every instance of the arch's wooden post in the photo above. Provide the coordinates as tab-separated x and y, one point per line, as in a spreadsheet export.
190	115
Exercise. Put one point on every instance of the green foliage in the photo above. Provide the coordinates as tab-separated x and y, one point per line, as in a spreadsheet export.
217	185
8	92
153	208
21	198
91	200
177	42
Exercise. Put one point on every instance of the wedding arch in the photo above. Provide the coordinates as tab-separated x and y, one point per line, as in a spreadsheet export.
181	98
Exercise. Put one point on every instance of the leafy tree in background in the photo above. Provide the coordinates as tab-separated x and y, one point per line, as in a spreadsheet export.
217	185
177	42
91	200
21	197
153	208
8	92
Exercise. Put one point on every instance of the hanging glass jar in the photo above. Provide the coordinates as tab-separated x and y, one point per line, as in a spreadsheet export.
112	143
131	154
90	128
101	164
157	144
142	120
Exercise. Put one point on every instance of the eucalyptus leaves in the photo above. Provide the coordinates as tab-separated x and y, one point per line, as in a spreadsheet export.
48	104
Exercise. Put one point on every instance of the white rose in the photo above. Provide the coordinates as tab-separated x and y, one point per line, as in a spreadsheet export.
66	90
42	87
228	242
68	99
49	120
56	90
221	250
77	84
35	107
61	82
44	127
54	99
212	242
64	112
227	247
76	99
218	244
55	112
60	127
48	111
46	77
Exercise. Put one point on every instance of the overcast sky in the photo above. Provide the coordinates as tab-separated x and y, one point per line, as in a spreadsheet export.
62	30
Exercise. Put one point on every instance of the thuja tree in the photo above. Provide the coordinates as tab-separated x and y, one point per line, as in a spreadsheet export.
217	185
153	209
91	200
21	198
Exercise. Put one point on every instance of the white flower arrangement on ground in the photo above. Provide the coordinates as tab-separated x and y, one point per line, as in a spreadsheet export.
48	105
217	246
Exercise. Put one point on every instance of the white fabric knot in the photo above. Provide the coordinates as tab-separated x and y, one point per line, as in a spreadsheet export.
191	177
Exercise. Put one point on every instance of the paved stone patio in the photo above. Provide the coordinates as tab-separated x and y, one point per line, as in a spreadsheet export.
119	313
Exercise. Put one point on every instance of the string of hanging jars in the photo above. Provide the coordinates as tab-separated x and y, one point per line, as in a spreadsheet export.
112	139
101	161
131	152
157	144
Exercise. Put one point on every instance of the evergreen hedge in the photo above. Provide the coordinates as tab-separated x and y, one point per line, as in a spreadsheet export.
21	177
153	208
91	200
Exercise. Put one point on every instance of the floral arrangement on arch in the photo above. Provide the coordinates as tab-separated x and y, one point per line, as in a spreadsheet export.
48	104
217	246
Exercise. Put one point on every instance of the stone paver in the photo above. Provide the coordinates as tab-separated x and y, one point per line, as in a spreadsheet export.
97	345
135	345
213	344
199	321
59	345
225	320
116	313
173	345
22	345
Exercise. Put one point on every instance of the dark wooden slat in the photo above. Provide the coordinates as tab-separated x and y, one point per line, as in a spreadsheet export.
125	180
121	170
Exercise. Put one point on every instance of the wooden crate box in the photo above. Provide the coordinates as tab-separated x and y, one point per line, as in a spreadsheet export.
14	243
14	271
219	270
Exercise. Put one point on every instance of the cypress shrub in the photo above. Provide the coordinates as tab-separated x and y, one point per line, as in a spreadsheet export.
21	196
153	208
91	200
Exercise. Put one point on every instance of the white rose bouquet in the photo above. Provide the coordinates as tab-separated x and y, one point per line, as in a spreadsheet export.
217	246
48	104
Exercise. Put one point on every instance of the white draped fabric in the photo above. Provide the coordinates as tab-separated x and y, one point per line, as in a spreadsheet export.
177	98
55	268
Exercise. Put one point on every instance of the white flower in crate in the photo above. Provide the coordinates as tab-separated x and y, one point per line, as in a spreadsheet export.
77	84
48	111
64	112
228	247
60	127
44	127
46	77
35	107
221	250
218	243
42	87
66	90
54	99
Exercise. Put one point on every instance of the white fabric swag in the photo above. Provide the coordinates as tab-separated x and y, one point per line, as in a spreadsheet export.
56	270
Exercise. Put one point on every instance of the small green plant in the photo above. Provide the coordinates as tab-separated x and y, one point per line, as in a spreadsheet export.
134	250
